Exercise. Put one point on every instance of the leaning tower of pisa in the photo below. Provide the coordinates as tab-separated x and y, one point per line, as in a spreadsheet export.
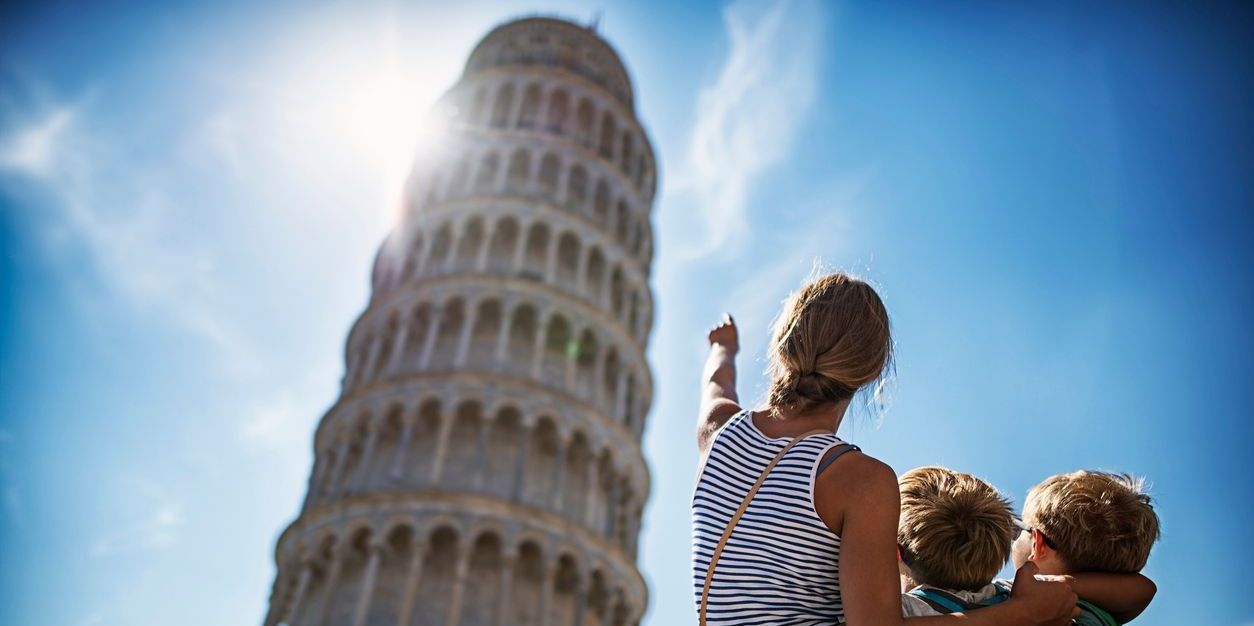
482	465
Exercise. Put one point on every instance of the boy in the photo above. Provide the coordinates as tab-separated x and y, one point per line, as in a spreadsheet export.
954	536
957	531
1098	523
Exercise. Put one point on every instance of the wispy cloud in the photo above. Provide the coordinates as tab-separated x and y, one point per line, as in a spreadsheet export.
156	529
75	179
33	148
747	120
759	293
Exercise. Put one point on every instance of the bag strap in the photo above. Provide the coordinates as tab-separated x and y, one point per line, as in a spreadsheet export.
722	542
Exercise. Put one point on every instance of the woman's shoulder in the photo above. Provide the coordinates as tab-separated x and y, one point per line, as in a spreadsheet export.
857	464
856	481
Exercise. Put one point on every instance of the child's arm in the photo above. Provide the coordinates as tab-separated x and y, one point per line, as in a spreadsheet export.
719	401
869	583
1124	596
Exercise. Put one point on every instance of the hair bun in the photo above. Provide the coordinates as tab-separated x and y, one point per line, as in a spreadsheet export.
831	339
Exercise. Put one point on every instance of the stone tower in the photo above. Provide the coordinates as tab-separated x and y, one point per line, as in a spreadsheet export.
482	465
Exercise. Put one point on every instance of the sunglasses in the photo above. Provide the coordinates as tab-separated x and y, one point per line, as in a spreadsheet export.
1027	529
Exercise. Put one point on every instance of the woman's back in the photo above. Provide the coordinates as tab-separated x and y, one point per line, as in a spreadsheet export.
781	563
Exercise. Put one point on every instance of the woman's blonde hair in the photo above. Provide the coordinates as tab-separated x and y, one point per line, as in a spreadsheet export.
831	339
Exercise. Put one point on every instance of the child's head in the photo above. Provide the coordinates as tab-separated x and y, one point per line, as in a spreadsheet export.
830	339
955	531
1087	522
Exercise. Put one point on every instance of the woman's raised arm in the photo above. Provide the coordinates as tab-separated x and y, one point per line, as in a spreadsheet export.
718	382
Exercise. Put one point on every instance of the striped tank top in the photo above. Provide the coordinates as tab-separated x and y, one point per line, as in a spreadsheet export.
781	564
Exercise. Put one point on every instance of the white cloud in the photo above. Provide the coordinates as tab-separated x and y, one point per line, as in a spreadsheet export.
32	149
748	119
157	529
812	245
89	200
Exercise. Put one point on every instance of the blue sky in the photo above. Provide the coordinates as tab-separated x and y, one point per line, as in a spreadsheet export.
1054	200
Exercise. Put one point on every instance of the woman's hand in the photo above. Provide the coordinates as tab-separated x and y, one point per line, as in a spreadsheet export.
719	401
726	335
1044	602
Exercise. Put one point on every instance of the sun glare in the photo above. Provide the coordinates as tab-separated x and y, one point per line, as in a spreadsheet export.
391	123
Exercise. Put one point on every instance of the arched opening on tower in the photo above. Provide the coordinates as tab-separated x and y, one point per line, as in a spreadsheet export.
451	321
483	582
594	277
557	347
483	338
547	179
535	259
500	109
607	136
503	246
463	458
575	491
567	260
540	469
530	107
577	189
583	123
585	366
524	597
565	592
518	171
436	584
468	248
522	340
485	176
558	105
504	450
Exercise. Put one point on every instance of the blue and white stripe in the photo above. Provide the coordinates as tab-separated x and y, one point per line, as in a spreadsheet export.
781	565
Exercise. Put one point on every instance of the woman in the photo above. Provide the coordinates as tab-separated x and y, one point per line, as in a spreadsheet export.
816	544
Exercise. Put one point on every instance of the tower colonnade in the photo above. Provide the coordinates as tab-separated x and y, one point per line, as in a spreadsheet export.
375	561
482	465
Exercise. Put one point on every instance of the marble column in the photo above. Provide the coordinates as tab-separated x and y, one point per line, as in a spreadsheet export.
506	586
463	339
559	476
441	447
298	598
459	588
546	591
481	451
398	348
402	446
520	464
428	342
590	498
333	580
367	585
411	582
367	455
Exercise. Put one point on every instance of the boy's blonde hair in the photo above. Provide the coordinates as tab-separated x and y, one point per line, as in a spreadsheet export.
955	530
1098	521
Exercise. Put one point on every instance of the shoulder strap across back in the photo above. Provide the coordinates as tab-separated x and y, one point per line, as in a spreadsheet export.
740	511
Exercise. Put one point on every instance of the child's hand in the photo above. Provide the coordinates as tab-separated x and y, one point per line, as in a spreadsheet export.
725	335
